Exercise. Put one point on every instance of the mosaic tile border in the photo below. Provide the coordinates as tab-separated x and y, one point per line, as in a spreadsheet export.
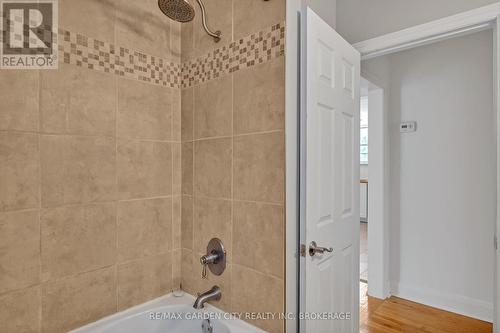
258	48
251	50
83	51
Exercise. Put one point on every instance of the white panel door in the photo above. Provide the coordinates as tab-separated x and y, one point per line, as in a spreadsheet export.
331	280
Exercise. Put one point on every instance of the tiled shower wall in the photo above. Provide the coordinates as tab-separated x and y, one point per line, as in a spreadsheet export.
91	183
90	172
233	154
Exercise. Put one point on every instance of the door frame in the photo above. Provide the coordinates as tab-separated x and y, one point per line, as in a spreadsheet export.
378	195
452	26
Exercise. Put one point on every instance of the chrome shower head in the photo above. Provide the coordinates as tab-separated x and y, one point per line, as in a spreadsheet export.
177	10
182	11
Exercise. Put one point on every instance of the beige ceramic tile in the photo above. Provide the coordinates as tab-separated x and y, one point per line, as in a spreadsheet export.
187	41
176	269
212	219
144	279
76	301
187	223
144	169
77	169
144	228
177	168
19	96
187	168
77	239
219	18
18	171
176	115
259	167
213	108
19	311
258	293
76	100
258	235
141	26
19	250
251	16
259	97
94	18
144	111
176	222
175	41
187	113
212	168
189	275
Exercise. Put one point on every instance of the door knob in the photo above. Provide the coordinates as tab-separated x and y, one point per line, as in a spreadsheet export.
314	248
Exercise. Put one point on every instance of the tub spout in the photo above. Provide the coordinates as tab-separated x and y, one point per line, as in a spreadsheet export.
213	294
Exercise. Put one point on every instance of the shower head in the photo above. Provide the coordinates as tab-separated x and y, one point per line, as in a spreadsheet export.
177	10
182	11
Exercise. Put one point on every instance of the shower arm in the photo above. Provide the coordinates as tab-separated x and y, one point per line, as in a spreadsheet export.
216	34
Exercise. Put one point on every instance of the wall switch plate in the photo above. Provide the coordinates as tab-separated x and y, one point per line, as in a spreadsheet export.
408	126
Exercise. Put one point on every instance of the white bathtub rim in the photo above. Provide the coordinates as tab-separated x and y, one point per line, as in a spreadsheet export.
162	301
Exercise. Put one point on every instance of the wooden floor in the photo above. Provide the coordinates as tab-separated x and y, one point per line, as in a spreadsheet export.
398	315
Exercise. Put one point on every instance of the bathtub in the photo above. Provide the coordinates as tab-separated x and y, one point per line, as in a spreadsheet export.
169	314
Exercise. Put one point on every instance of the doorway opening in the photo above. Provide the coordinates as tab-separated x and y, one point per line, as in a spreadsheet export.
439	30
442	179
363	184
372	198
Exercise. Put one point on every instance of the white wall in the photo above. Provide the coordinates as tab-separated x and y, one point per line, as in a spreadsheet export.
358	20
326	9
443	177
363	170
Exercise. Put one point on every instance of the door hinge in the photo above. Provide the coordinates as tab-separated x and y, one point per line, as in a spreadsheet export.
495	242
302	250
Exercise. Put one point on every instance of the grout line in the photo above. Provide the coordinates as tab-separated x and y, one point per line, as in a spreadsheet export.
238	135
232	188
113	136
22	210
193	165
90	203
40	270
75	275
261	132
142	257
260	272
117	103
198	196
173	172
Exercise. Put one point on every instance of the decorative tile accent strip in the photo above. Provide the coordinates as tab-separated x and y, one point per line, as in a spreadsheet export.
93	54
255	49
97	55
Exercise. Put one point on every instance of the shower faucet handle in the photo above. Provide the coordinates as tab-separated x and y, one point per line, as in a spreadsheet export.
205	260
215	259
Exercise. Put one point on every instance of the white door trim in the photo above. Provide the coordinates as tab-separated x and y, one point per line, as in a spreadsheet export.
467	22
292	106
496	106
452	26
378	230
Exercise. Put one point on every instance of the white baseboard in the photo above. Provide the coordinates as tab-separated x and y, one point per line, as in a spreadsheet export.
466	306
